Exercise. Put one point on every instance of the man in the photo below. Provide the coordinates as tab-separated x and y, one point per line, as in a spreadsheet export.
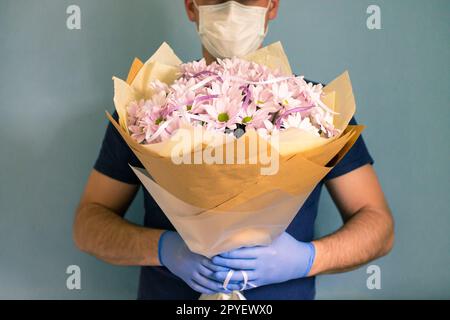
283	270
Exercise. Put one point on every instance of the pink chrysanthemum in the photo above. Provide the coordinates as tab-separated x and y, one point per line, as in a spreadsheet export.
227	95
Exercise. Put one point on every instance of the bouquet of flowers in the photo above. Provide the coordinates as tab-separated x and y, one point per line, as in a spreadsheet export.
230	96
250	140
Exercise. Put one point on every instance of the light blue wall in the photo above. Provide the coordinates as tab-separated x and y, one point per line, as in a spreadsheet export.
55	85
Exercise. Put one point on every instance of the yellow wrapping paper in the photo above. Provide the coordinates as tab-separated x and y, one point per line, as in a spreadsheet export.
220	207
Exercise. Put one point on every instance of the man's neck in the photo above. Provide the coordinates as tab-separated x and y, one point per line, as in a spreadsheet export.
208	57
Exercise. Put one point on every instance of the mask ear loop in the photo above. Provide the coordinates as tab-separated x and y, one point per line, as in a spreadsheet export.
266	29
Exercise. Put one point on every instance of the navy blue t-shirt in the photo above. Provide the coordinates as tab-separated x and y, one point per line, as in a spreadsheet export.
159	282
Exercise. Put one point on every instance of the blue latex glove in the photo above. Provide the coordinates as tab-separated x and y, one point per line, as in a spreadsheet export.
196	270
285	259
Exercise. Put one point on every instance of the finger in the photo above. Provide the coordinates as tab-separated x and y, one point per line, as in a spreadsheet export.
207	283
243	253
206	272
199	288
233	287
236	264
236	278
211	266
214	285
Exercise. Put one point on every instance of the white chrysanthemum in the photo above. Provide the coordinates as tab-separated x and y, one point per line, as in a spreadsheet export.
296	121
267	131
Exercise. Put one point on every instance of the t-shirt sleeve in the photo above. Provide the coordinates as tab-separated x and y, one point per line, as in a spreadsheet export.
355	158
115	156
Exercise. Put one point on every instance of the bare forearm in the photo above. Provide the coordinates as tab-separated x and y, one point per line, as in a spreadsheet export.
107	236
367	235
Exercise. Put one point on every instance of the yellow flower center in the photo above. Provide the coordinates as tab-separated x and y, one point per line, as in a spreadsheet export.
247	119
223	117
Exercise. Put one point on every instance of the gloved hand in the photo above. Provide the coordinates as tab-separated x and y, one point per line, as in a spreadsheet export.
194	269
285	259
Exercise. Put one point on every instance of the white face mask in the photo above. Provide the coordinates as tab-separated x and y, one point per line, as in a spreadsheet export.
231	29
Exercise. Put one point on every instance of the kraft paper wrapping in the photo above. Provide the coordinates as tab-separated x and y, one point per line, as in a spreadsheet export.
220	207
257	220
